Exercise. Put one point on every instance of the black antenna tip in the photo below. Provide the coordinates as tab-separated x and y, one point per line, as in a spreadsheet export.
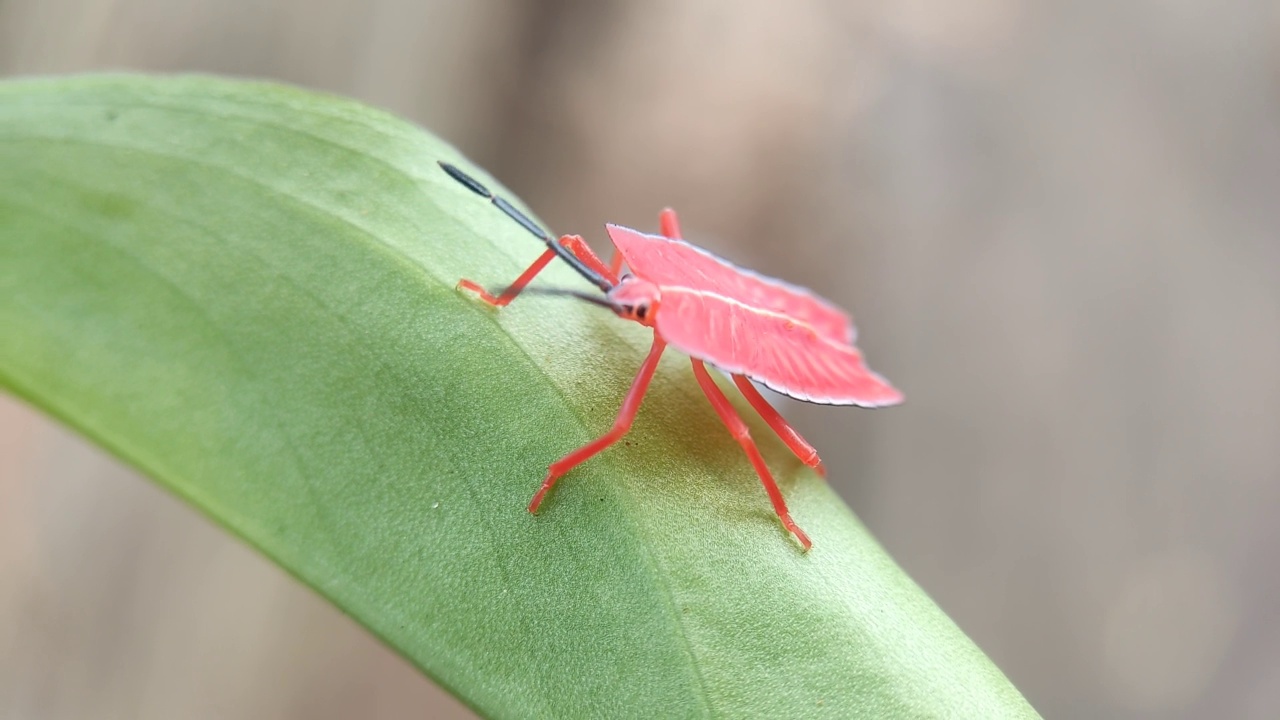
471	183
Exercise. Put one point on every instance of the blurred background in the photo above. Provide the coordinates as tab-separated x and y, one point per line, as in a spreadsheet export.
1057	223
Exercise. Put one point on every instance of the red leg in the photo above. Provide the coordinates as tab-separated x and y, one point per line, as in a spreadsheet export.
579	247
739	430
626	414
802	449
576	245
670	224
514	288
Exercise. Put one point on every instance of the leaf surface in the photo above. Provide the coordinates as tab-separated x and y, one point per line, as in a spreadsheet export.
246	291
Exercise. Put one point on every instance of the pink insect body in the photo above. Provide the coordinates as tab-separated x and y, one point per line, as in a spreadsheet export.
777	334
752	327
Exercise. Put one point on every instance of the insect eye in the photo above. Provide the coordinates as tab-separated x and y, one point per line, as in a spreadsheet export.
641	311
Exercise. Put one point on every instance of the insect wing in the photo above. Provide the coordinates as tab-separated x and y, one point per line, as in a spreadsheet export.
786	355
675	263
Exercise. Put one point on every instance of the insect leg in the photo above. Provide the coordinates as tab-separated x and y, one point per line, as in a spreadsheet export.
739	430
786	433
574	243
515	287
670	224
579	247
626	414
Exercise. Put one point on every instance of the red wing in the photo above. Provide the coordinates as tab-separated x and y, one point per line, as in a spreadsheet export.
786	355
663	261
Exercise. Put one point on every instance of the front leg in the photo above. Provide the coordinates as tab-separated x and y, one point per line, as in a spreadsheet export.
575	245
738	429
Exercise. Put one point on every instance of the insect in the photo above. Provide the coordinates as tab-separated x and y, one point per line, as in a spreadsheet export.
750	326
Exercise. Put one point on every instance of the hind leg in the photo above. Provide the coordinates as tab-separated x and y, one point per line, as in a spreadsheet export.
739	430
786	433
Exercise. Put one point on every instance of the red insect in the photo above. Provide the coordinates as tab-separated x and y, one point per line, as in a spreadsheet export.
752	327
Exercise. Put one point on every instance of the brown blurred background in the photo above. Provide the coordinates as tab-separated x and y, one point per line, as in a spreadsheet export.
1058	224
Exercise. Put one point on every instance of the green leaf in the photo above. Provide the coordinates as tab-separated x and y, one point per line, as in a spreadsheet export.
247	292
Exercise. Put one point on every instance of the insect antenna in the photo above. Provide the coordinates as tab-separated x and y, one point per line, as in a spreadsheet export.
523	220
593	299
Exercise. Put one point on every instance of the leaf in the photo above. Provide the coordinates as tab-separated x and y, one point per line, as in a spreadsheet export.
247	292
